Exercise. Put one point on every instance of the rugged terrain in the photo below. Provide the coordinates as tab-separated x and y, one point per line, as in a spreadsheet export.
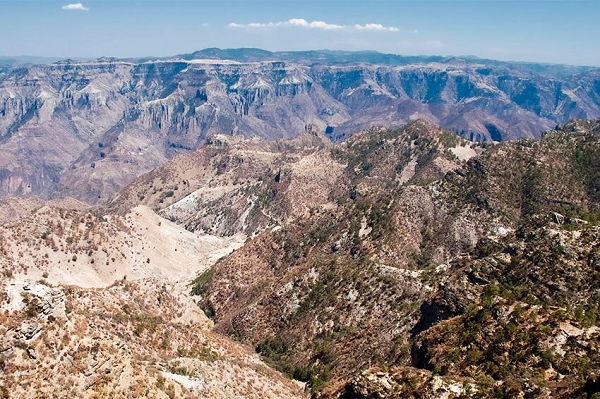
473	277
131	339
404	262
97	304
85	129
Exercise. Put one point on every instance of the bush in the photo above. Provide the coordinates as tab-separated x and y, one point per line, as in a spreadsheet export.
449	140
201	283
32	308
272	348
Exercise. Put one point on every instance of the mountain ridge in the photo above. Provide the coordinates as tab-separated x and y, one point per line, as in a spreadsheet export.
254	53
403	262
386	277
89	128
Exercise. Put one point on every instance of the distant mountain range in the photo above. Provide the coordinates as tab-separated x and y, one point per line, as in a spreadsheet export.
26	60
325	56
87	128
373	57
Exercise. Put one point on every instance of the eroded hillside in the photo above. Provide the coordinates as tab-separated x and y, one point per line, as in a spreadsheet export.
402	262
96	305
131	339
398	268
85	129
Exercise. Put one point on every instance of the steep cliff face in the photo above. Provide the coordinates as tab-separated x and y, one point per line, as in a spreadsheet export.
478	102
50	116
86	129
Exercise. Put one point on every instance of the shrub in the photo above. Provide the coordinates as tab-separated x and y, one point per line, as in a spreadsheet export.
272	348
202	282
448	139
32	308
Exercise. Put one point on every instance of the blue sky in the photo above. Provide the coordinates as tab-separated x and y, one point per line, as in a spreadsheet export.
557	31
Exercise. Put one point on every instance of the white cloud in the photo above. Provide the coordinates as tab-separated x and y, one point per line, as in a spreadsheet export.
314	24
75	7
376	27
294	22
205	25
302	23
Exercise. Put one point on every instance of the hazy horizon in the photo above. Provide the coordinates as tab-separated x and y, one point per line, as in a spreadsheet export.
467	56
556	32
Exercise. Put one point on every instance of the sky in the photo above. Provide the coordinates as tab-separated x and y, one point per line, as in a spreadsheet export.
555	31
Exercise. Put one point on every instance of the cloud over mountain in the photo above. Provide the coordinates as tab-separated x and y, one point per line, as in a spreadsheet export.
302	23
75	7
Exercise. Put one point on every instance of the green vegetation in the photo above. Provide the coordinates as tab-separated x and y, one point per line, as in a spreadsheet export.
177	368
532	191
491	313
587	163
265	197
316	296
592	218
451	155
31	310
449	139
272	348
201	283
160	382
379	219
426	155
274	352
204	353
359	153
145	322
200	286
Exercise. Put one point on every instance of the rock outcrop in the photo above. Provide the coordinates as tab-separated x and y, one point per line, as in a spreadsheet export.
86	129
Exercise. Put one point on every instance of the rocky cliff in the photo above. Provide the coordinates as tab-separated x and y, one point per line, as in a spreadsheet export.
86	129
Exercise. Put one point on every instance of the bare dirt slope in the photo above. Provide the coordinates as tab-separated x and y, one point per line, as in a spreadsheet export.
96	305
131	339
84	249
